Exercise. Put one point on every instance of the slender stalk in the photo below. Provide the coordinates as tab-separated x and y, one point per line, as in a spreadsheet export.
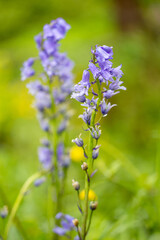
90	161
18	201
59	186
85	215
90	219
56	176
79	233
87	183
49	210
90	146
79	203
99	93
16	220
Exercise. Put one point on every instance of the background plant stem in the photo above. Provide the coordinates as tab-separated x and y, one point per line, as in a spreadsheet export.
18	201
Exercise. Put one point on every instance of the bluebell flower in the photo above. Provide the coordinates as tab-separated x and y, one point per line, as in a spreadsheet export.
78	141
4	212
42	100
106	107
66	224
67	86
60	152
94	70
80	97
59	215
105	65
39	181
35	87
79	88
95	152
117	72
116	85
44	123
85	78
109	93
56	29
45	142
50	46
26	70
60	231
59	96
92	104
62	126
77	238
96	132
38	40
45	157
86	116
103	53
66	160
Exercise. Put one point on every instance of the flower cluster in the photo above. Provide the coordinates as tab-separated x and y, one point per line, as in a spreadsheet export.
68	224
107	81
99	83
51	88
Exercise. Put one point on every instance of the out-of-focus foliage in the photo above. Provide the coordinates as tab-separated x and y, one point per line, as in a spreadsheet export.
127	182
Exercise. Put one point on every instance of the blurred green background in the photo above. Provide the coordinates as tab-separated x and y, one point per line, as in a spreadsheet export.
127	182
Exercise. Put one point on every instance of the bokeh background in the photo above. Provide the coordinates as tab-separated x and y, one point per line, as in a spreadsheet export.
127	182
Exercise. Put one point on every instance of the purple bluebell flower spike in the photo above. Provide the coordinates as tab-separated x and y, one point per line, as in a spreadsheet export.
50	98
51	89
100	82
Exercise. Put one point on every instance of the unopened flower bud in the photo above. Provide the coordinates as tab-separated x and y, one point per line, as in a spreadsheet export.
62	126
39	181
4	212
76	185
95	152
96	132
78	141
75	222
84	166
93	205
45	142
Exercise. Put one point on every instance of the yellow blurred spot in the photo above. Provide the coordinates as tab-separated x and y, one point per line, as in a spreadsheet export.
91	196
22	104
76	154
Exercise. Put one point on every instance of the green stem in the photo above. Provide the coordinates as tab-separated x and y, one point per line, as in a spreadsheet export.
90	219
87	183
56	177
18	201
16	220
79	202
55	162
90	146
79	233
85	215
99	93
49	209
90	161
